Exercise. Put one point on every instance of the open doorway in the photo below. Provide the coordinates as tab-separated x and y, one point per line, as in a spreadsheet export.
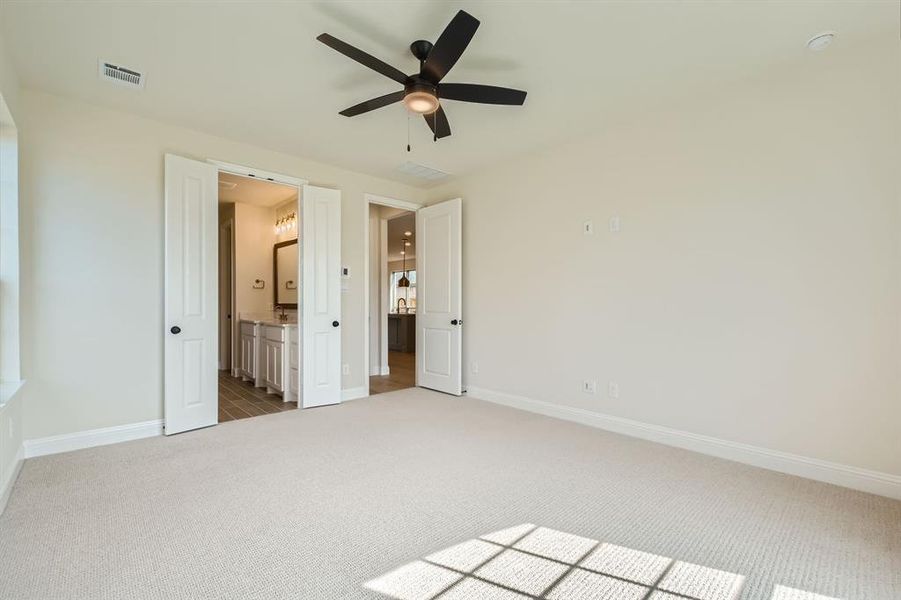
258	297
392	285
295	356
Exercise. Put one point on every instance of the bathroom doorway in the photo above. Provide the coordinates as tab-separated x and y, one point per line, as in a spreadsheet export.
296	358
258	297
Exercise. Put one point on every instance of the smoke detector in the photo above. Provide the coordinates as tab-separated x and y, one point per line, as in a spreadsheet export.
121	75
819	42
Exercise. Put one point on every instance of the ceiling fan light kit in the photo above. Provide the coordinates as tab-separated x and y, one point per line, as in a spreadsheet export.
423	102
423	91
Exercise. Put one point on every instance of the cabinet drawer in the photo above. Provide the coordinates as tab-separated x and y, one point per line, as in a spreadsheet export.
276	334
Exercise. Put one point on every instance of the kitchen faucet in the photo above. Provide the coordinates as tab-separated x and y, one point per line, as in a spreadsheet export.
283	316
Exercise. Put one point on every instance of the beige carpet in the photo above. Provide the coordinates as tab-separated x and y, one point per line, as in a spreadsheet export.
314	504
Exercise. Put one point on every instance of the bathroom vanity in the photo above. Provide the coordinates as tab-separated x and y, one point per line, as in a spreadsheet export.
269	357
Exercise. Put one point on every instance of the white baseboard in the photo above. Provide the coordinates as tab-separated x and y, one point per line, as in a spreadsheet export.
94	437
353	393
7	486
874	482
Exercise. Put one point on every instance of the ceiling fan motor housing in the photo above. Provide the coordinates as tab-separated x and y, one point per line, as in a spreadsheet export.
417	84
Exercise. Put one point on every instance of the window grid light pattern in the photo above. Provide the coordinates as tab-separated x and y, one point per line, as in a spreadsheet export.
527	562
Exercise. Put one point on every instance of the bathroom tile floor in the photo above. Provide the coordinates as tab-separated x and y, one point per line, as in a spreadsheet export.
238	399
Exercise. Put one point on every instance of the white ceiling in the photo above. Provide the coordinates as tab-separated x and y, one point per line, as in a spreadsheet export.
253	71
253	191
396	228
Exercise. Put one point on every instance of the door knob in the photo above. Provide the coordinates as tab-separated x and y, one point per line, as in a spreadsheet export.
454	322
335	323
176	329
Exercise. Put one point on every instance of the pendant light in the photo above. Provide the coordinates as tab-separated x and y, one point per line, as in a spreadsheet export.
404	282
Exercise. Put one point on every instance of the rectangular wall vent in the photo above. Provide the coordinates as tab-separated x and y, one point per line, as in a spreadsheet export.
121	75
421	171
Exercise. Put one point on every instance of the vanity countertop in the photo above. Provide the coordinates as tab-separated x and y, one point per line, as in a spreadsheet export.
269	320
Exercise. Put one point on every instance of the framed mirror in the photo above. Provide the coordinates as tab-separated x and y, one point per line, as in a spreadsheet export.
284	268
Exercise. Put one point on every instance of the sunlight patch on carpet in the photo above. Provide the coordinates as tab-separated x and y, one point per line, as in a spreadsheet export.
527	561
786	593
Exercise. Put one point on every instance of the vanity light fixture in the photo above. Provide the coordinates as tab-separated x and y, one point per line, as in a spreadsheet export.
286	223
408	233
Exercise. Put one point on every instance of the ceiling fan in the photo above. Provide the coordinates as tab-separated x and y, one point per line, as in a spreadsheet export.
423	91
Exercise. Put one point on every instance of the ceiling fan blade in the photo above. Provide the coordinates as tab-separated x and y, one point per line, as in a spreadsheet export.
483	94
438	123
364	59
374	103
450	46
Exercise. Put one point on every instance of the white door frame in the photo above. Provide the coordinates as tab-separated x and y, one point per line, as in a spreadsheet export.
368	200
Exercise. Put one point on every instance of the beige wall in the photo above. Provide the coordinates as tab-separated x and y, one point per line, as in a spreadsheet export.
753	291
254	239
11	409
93	248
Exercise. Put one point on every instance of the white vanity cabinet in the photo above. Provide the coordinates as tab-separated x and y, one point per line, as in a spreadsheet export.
269	356
273	357
247	365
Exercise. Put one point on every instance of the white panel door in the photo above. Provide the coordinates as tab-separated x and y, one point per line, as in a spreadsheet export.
439	297
321	295
191	295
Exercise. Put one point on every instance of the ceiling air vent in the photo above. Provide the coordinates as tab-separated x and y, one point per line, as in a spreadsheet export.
121	75
421	171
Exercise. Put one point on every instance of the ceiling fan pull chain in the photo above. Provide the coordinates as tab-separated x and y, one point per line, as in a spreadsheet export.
408	132
435	129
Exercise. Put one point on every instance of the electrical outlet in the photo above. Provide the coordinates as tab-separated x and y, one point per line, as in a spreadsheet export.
474	367
345	369
613	390
589	386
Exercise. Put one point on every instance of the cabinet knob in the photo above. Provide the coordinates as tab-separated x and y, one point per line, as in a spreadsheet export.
175	330
335	323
